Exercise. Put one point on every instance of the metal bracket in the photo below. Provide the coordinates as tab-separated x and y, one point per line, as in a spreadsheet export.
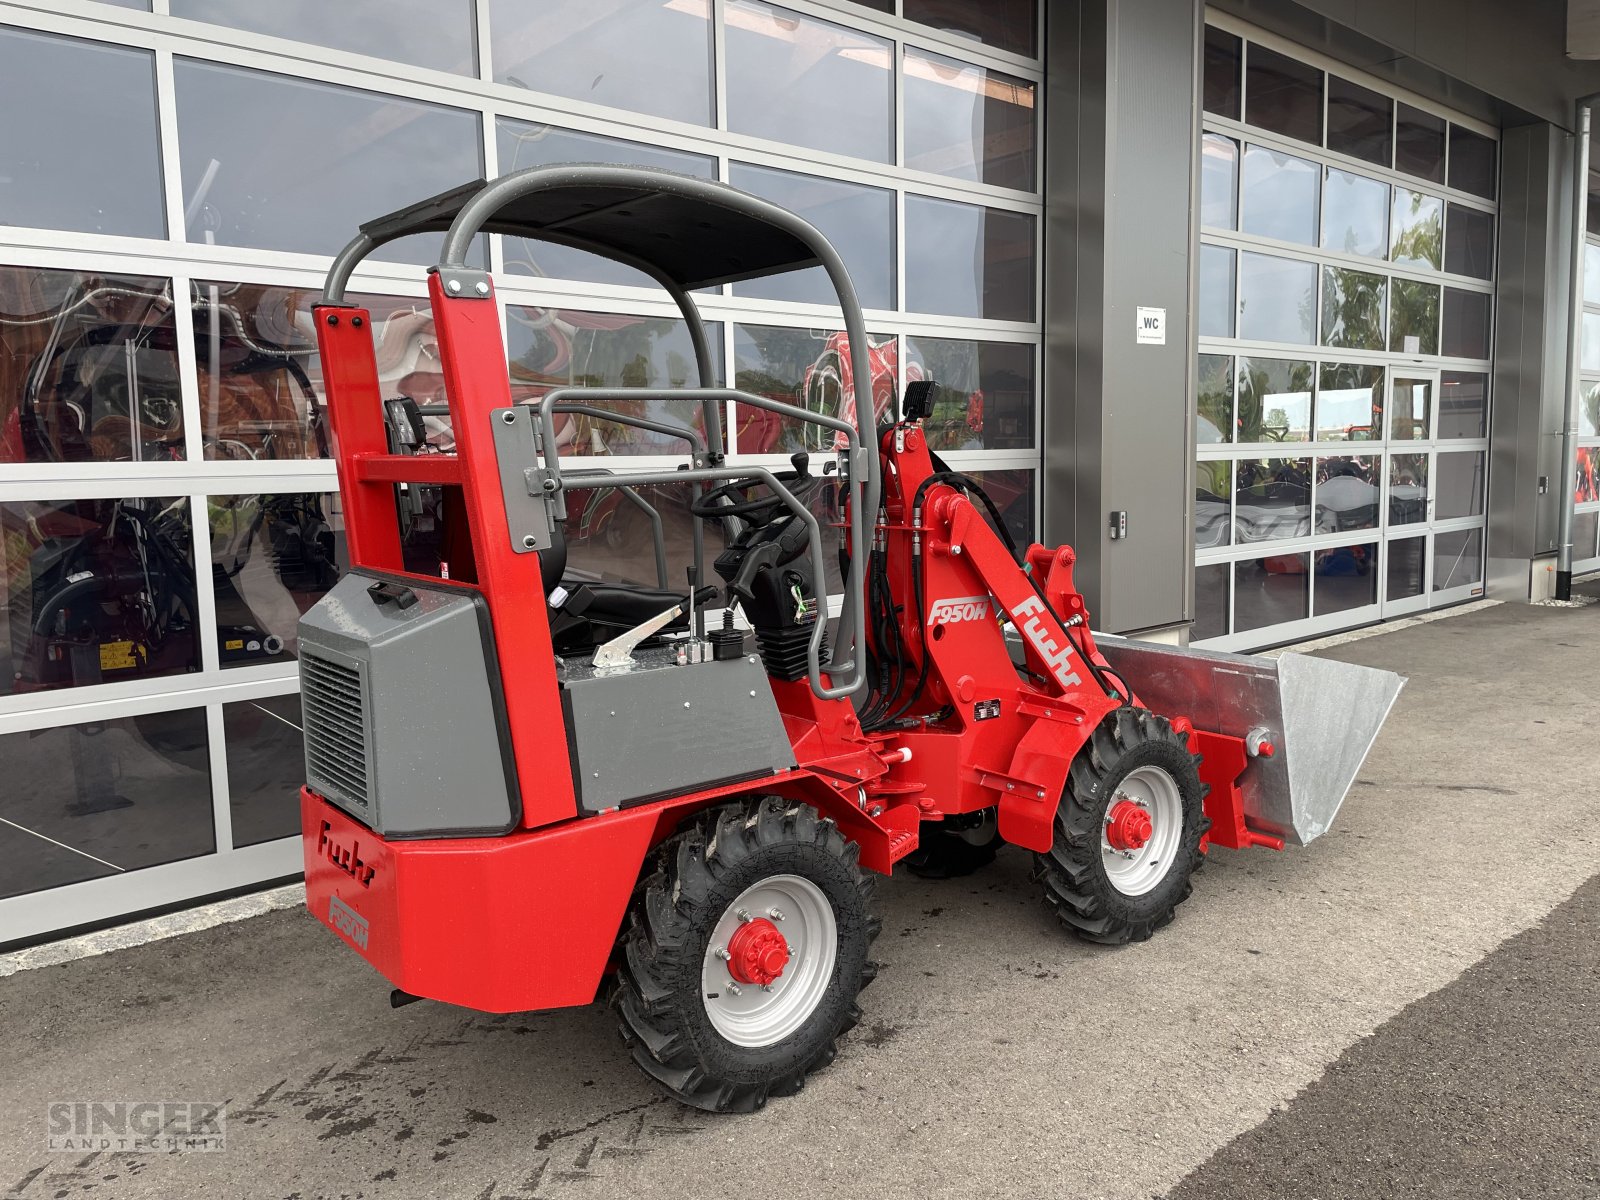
466	283
618	652
529	515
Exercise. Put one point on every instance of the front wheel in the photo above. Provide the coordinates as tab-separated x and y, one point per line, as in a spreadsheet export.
744	954
1127	834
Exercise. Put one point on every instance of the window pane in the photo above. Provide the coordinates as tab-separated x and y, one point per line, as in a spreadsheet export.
858	220
266	756
1216	291
1353	304
804	82
1270	591
1279	195
1003	24
523	144
88	801
1348	493
1350	403
1591	274
1585	530
1417	232
1472	162
1413	317
985	396
1274	400
88	368
1464	405
1457	559
1588	490
272	558
966	261
1419	143
1408	489
99	591
1346	578
85	156
554	46
1355	214
1358	121
1411	409
261	393
1219	181
1469	245
1213	512
1589	411
288	164
1589	347
1277	299
1012	493
805	368
1466	324
1406	568
436	34
968	121
1459	483
1211	585
1283	94
560	347
1215	395
1224	53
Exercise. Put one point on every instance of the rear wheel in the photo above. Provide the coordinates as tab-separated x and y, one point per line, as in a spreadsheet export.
1127	833
744	953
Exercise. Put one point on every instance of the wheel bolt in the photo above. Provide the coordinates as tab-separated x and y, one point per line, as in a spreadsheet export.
734	988
744	916
775	913
722	953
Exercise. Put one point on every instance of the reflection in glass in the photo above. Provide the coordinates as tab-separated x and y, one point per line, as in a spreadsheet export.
1211	586
89	801
1457	559
1410	409
807	368
1004	24
1459	485
1472	162
612	540
1219	181
1277	299
266	754
1359	121
804	82
1406	567
335	157
1271	591
1012	493
969	122
1588	489
1283	94
1215	394
97	591
1469	246
1408	489
1591	273
963	260
1350	403
1213	508
522	144
1274	400
1349	493
436	34
1464	405
78	150
1353	304
1589	347
985	396
555	46
1466	324
1413	317
272	558
1272	499
1279	195
858	220
88	368
1589	411
1346	578
1416	235
1216	291
1355	214
1224	55
1419	143
1585	530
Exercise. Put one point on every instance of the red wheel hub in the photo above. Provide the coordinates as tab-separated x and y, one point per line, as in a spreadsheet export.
757	952
1127	826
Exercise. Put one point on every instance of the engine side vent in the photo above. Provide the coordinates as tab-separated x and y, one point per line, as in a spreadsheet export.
333	699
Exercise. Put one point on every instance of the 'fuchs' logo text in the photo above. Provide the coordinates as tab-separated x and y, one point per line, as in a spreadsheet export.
961	608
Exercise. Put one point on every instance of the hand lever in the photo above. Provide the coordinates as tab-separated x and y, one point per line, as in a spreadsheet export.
802	465
766	554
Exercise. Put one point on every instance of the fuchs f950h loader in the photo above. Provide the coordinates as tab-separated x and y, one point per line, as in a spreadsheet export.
525	789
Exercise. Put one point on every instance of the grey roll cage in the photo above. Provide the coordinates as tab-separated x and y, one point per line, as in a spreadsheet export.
685	233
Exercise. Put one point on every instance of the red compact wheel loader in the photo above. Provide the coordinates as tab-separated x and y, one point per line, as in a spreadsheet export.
525	786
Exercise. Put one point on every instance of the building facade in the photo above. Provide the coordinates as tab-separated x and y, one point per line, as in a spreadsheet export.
1336	249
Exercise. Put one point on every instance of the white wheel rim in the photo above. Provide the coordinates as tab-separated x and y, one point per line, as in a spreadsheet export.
1137	871
754	1015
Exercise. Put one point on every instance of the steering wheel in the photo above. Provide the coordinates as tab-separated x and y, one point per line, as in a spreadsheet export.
720	502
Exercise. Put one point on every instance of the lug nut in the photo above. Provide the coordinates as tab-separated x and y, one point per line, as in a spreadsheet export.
775	913
734	988
722	953
744	916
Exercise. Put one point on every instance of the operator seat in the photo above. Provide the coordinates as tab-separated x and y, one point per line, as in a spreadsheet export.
584	613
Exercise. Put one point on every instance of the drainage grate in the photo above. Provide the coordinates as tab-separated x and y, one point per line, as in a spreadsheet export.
334	702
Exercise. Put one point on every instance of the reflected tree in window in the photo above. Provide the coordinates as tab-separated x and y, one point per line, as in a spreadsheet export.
1214	395
1274	400
1353	305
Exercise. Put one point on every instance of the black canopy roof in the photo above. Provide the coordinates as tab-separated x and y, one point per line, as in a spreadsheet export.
696	235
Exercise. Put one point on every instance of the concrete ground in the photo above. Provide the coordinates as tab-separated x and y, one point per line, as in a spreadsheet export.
1329	1022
